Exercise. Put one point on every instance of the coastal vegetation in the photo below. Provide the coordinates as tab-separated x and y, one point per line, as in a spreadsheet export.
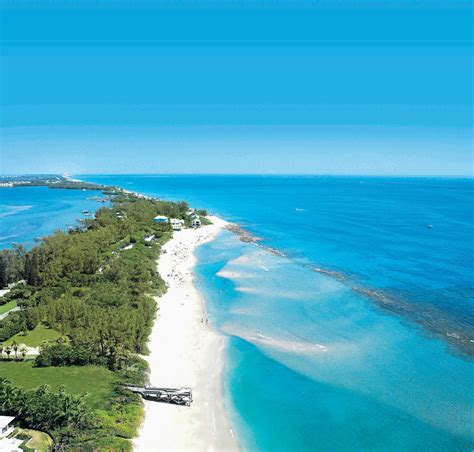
96	381
45	410
86	299
55	182
35	440
7	307
34	338
12	263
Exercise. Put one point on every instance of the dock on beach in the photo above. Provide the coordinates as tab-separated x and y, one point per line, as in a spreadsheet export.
180	396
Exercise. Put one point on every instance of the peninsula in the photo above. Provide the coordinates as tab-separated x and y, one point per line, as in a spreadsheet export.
80	316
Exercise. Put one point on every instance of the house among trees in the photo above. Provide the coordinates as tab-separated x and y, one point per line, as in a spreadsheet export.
196	222
176	224
160	219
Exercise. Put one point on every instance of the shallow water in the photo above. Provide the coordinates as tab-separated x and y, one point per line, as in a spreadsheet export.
314	366
373	357
372	232
27	213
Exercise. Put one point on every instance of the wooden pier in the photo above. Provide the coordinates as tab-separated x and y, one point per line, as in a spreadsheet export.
180	396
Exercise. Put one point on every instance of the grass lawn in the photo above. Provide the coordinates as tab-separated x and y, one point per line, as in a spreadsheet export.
38	440
34	338
7	306
96	381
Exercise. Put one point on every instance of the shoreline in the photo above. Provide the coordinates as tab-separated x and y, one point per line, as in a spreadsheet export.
185	352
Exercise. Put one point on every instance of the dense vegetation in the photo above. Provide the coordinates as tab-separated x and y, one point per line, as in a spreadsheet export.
114	413
94	287
12	265
45	410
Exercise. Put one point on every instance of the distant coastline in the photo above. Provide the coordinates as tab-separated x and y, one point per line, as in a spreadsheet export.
170	419
443	327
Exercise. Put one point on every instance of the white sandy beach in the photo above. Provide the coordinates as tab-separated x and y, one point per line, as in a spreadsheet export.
185	352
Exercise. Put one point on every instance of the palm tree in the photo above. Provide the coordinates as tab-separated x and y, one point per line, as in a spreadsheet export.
15	348
8	350
21	402
23	351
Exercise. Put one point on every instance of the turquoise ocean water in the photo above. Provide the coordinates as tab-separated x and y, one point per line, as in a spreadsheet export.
28	213
359	336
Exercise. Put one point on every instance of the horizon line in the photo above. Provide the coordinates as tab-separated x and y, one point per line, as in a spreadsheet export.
447	176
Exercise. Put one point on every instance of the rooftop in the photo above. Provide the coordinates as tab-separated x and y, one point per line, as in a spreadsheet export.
5	420
10	444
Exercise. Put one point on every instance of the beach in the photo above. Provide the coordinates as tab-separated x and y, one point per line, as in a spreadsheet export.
185	352
311	360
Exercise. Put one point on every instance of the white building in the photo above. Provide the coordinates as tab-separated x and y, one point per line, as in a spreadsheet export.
6	426
176	224
11	445
196	222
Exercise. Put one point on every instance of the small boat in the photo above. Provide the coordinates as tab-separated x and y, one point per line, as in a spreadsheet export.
85	212
430	226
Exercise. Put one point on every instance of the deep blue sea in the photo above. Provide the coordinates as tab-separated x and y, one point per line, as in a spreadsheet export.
358	337
28	213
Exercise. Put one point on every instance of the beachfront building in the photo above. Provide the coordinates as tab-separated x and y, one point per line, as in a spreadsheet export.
196	222
11	444
6	426
176	224
160	219
6	429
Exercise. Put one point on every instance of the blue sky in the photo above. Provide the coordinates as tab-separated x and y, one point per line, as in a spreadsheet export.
324	87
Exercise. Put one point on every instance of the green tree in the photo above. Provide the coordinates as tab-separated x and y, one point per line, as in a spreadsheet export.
15	348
